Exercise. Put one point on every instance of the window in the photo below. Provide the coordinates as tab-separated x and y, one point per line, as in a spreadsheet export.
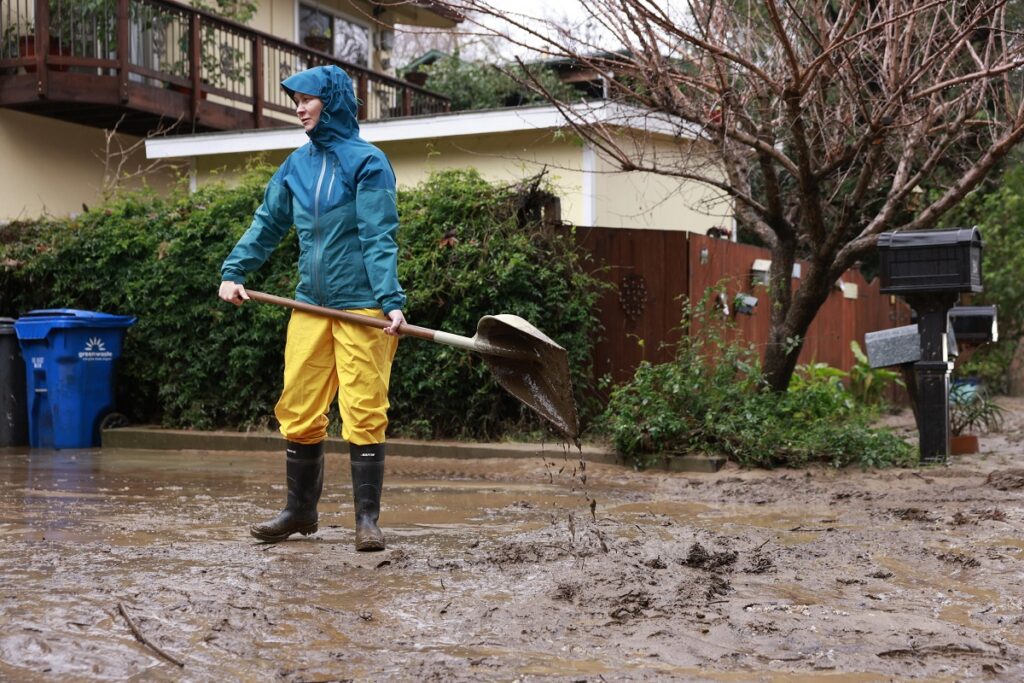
335	35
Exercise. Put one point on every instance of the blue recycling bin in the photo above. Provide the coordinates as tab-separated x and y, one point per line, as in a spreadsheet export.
69	372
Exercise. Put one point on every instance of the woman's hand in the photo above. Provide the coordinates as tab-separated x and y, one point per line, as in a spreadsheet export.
234	293
397	320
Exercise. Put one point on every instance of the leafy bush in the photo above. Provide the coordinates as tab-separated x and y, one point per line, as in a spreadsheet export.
711	398
191	360
478	85
467	252
999	214
195	361
868	384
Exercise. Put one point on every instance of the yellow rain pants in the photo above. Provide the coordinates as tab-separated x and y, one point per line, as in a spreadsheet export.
323	354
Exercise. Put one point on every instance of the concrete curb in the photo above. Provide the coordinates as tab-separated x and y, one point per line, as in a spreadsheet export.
151	438
154	438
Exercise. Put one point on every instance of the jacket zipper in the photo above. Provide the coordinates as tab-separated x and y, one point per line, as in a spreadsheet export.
316	233
330	186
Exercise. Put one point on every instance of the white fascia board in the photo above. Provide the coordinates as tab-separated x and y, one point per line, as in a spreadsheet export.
425	127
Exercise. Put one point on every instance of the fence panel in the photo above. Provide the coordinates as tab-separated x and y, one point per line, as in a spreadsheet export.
652	269
641	315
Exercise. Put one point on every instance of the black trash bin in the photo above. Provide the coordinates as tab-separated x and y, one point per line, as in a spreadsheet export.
13	415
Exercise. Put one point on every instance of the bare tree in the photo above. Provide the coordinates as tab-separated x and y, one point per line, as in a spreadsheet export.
829	121
124	160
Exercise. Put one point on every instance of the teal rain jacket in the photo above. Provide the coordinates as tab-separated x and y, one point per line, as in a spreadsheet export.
339	192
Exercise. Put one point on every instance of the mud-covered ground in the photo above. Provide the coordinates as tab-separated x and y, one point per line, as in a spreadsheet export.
502	570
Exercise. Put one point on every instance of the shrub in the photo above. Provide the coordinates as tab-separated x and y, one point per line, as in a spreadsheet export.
712	398
999	214
478	85
195	361
467	252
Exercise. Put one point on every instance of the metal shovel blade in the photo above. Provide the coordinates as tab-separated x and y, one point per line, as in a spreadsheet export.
532	367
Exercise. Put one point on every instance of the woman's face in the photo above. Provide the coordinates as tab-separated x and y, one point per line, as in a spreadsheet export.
308	109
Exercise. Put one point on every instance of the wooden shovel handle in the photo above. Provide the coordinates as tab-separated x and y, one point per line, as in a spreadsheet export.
404	329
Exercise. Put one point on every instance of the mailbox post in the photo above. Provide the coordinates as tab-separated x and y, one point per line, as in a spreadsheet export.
930	269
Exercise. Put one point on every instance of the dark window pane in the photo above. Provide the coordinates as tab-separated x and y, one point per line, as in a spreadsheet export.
315	28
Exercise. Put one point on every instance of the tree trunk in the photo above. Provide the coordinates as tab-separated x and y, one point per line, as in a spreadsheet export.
789	323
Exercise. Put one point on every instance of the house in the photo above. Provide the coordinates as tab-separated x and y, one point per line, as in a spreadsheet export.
141	67
503	145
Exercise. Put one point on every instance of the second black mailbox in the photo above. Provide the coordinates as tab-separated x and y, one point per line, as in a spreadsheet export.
930	261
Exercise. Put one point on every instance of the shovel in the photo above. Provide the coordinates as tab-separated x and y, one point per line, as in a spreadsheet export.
523	360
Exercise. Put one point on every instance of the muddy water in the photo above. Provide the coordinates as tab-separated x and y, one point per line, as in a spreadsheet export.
498	570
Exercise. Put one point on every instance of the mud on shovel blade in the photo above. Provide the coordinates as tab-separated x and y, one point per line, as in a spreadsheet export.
536	372
524	361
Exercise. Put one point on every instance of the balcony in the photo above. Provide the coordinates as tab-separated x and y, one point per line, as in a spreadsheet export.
144	65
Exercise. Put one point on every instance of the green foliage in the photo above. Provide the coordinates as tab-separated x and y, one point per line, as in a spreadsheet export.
712	398
868	384
466	253
194	361
478	85
191	360
999	214
971	409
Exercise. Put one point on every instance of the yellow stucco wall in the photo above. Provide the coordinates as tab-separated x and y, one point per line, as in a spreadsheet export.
51	167
636	199
623	200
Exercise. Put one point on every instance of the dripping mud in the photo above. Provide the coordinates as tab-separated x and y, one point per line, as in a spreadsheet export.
514	569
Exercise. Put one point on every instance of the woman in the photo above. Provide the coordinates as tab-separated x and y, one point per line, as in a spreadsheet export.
339	192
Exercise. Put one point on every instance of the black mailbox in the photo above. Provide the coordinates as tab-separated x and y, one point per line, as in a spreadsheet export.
923	261
974	324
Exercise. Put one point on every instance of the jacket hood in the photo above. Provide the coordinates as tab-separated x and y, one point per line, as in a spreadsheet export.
338	119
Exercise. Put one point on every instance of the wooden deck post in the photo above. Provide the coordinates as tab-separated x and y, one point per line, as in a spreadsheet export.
123	47
257	82
361	93
195	62
42	46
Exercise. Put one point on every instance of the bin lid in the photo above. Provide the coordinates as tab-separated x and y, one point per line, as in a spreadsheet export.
37	324
6	326
912	239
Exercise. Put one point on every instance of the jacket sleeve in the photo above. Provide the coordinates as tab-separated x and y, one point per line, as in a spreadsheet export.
377	218
271	221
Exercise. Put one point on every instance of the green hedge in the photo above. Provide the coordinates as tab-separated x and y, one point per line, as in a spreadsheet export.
712	399
194	361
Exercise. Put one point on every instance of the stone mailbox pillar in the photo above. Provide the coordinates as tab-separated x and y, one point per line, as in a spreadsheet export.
930	269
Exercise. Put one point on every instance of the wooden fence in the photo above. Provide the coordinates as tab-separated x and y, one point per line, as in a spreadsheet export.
652	270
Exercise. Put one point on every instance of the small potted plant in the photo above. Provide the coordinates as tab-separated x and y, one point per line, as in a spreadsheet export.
319	39
970	409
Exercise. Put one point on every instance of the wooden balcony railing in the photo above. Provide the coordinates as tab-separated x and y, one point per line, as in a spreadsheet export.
143	61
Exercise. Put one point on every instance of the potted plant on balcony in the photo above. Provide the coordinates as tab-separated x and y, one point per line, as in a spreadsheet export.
319	39
19	40
970	409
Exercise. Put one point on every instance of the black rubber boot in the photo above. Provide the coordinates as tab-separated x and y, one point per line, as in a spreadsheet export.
305	475
367	482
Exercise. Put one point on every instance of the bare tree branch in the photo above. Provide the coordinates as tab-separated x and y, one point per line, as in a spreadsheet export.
830	121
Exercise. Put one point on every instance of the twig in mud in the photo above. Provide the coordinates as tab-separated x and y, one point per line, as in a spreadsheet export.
146	641
762	545
801	527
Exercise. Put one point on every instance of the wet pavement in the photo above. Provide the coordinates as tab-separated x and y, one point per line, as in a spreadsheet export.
503	570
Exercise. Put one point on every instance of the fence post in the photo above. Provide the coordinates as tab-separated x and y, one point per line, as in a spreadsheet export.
406	102
123	46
